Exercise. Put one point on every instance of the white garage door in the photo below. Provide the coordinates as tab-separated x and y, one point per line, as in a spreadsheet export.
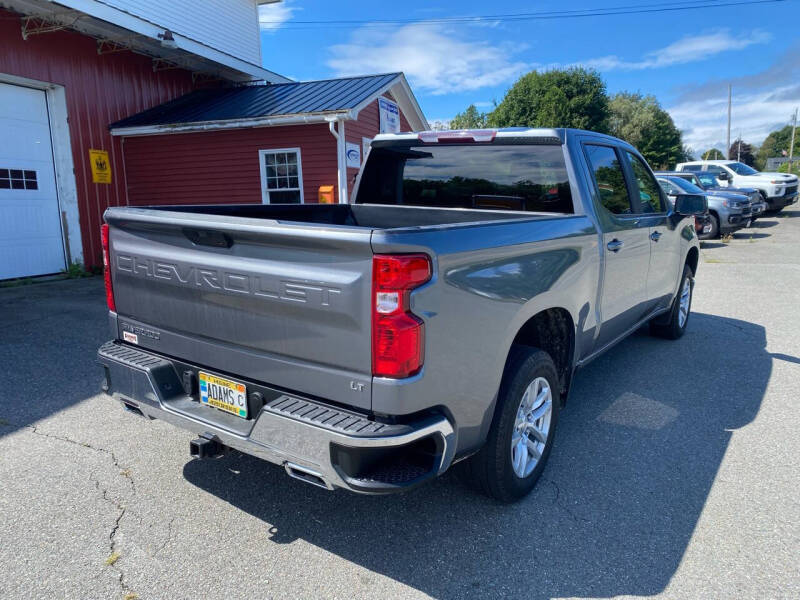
30	222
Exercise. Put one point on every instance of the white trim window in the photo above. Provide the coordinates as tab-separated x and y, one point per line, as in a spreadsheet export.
281	176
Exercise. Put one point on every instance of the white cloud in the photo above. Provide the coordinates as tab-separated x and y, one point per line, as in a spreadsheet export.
754	113
271	17
762	102
433	57
688	49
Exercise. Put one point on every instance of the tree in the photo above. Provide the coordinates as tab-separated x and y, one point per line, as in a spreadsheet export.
469	119
713	154
640	121
573	97
784	168
743	152
776	144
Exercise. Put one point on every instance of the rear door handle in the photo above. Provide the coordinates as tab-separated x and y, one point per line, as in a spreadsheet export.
655	236
615	245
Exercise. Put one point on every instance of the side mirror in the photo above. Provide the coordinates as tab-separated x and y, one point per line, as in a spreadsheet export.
722	176
689	205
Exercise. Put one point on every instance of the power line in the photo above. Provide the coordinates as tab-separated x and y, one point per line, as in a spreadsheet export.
530	16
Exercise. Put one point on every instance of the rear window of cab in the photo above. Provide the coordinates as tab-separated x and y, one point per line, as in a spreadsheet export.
520	177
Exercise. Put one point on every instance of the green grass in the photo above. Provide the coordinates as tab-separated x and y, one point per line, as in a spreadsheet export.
10	283
76	270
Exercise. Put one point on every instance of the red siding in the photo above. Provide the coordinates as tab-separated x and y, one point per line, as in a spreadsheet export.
368	125
100	89
222	166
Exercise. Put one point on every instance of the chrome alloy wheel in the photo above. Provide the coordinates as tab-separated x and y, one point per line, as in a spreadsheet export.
531	427
685	301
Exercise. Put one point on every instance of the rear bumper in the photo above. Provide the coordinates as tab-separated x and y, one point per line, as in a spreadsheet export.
329	446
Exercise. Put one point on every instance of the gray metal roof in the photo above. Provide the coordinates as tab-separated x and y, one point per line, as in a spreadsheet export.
257	101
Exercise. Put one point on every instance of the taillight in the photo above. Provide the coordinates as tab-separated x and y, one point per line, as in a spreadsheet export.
107	269
458	135
398	336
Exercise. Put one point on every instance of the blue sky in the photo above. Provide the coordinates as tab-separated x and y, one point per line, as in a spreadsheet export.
686	59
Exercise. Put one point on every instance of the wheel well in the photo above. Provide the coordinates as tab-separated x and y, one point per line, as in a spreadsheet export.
692	258
553	331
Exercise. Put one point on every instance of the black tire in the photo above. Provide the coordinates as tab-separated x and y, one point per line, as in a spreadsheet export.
491	469
669	326
714	233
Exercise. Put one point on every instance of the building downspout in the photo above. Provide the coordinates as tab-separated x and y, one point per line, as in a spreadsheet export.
341	157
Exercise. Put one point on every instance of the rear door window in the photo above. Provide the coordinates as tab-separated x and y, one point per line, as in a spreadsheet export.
646	186
609	179
707	180
522	177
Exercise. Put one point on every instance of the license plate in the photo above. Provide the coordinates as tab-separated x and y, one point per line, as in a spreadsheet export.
224	394
707	228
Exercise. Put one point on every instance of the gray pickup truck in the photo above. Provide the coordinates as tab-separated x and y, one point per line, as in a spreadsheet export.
440	317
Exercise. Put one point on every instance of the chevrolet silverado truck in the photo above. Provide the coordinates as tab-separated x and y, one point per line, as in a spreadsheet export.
777	189
439	317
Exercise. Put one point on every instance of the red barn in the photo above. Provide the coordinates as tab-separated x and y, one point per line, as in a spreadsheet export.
236	132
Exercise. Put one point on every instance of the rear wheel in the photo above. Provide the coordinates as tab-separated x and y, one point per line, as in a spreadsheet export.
522	432
673	325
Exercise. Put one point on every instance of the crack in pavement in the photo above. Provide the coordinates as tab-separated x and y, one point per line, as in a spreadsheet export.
169	537
118	505
560	505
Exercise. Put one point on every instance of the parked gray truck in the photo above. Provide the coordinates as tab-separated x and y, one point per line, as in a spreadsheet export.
440	317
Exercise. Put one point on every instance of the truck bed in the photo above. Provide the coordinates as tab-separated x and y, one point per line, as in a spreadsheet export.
353	215
271	293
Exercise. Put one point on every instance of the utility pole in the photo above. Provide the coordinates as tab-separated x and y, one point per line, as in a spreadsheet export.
791	144
739	148
728	146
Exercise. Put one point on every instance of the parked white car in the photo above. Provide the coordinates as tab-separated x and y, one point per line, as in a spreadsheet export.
777	189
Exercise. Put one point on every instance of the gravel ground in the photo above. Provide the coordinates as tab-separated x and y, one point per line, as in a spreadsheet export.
675	473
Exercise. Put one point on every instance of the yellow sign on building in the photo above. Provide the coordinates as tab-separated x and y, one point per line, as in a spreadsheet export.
101	166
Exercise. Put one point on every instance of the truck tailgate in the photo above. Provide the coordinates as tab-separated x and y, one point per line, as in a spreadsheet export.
281	303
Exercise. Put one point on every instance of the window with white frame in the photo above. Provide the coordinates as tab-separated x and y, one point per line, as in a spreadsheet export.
281	176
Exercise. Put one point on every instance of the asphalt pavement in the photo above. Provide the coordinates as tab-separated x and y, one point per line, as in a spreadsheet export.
675	473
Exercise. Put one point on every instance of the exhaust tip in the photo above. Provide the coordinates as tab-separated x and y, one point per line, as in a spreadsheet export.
132	408
306	475
204	447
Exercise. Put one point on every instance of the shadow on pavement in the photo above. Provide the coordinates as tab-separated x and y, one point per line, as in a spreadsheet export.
745	234
761	224
638	449
49	335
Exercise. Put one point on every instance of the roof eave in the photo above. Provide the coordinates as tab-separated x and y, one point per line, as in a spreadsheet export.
272	121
